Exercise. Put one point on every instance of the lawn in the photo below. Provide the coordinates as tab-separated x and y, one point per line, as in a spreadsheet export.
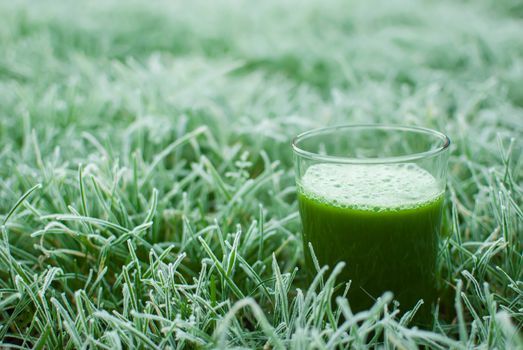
147	189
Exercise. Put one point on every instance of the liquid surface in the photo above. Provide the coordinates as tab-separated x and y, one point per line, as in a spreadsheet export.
383	221
375	187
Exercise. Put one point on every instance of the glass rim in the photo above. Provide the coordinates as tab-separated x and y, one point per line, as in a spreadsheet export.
371	160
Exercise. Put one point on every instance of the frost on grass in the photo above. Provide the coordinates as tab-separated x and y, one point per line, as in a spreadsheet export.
166	213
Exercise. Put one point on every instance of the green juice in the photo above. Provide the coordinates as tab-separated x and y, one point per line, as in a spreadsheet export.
383	221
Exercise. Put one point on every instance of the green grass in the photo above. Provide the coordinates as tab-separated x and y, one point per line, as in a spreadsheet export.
166	214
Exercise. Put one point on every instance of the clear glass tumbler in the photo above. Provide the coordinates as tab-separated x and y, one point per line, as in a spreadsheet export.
372	196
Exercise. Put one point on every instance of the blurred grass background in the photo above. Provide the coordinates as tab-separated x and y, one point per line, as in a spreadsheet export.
108	87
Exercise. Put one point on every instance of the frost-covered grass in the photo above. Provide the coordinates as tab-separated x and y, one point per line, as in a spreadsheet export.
164	213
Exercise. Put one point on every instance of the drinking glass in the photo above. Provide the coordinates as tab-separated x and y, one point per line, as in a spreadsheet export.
372	196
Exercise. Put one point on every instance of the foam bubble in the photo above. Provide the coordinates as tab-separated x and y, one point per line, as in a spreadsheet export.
370	187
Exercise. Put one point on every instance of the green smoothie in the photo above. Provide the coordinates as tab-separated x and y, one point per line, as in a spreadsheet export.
383	221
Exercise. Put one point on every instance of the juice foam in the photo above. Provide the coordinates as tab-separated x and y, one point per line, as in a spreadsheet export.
374	187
